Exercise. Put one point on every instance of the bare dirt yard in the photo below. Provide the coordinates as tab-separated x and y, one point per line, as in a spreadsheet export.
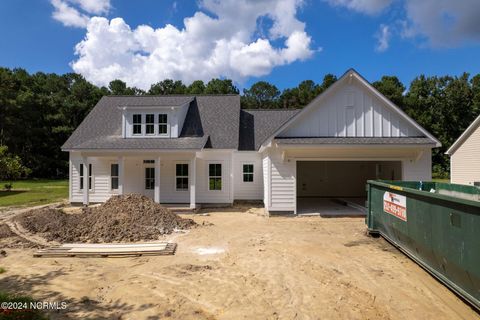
238	265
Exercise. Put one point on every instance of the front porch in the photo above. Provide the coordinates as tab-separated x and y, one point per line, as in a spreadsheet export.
169	178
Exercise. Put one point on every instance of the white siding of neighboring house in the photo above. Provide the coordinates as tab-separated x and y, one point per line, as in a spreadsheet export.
135	174
248	190
351	111
465	161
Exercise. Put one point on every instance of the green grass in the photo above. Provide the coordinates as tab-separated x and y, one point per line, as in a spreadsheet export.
33	192
2	270
441	180
23	313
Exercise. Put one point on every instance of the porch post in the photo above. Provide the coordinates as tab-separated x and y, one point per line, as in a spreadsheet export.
193	165
121	173
86	174
157	180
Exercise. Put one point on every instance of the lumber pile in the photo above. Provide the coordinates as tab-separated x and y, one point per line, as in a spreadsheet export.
108	250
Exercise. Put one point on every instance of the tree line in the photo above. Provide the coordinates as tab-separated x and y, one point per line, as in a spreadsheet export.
39	111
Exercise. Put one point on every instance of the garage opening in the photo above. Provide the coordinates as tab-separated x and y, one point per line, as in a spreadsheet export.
337	188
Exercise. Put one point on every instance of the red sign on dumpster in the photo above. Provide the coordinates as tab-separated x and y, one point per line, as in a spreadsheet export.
395	204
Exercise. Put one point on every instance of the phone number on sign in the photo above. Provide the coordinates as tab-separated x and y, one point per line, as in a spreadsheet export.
57	305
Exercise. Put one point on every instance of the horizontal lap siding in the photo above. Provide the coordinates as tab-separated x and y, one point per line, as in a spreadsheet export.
100	178
282	183
465	162
248	190
204	195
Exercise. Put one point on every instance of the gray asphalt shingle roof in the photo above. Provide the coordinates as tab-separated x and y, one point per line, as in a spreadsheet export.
356	140
212	118
257	125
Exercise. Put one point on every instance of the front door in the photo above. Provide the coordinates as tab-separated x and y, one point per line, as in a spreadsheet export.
149	181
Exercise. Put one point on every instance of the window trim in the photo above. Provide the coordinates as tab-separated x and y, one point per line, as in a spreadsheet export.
187	176
158	124
209	176
145	178
90	179
248	173
137	124
81	176
117	176
150	124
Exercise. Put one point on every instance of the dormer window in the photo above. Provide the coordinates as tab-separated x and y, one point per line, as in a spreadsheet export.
149	124
137	124
162	124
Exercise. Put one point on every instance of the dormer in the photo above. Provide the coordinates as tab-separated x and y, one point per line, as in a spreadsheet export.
143	121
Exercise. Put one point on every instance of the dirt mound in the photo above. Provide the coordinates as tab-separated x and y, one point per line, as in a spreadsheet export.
124	218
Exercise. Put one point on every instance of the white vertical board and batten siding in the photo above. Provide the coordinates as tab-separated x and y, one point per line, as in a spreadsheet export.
247	190
351	112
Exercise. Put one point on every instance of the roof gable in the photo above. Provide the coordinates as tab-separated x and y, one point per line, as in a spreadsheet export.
352	107
464	136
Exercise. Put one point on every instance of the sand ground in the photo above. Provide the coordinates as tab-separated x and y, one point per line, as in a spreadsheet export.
243	266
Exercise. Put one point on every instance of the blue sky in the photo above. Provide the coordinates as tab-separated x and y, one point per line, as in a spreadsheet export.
241	40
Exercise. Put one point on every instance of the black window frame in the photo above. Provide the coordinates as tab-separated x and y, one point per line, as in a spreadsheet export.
248	175
114	176
162	124
215	180
149	178
149	124
137	124
182	177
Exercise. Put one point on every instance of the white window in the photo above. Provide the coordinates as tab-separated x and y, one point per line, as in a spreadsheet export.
81	176
114	176
248	173
215	176
89	176
137	124
149	124
181	176
162	124
149	178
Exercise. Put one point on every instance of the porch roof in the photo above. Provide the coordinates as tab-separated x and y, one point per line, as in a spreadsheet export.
114	142
355	141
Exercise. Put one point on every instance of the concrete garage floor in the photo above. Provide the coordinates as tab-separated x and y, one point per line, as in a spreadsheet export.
330	207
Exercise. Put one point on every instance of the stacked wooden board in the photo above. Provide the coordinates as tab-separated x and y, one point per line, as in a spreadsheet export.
108	250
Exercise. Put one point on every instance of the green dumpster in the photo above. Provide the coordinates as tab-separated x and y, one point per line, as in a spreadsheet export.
435	224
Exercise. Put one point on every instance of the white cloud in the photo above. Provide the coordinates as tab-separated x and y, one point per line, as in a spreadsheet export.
383	38
93	6
222	45
443	22
69	12
363	6
68	15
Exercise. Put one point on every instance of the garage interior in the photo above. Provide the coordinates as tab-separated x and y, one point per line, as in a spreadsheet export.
337	188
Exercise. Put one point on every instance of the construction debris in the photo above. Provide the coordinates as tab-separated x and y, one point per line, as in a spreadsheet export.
123	218
108	250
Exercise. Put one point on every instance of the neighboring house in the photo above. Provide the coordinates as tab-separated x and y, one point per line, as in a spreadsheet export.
205	149
465	156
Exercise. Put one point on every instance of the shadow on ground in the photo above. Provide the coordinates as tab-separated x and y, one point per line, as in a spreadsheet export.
82	308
